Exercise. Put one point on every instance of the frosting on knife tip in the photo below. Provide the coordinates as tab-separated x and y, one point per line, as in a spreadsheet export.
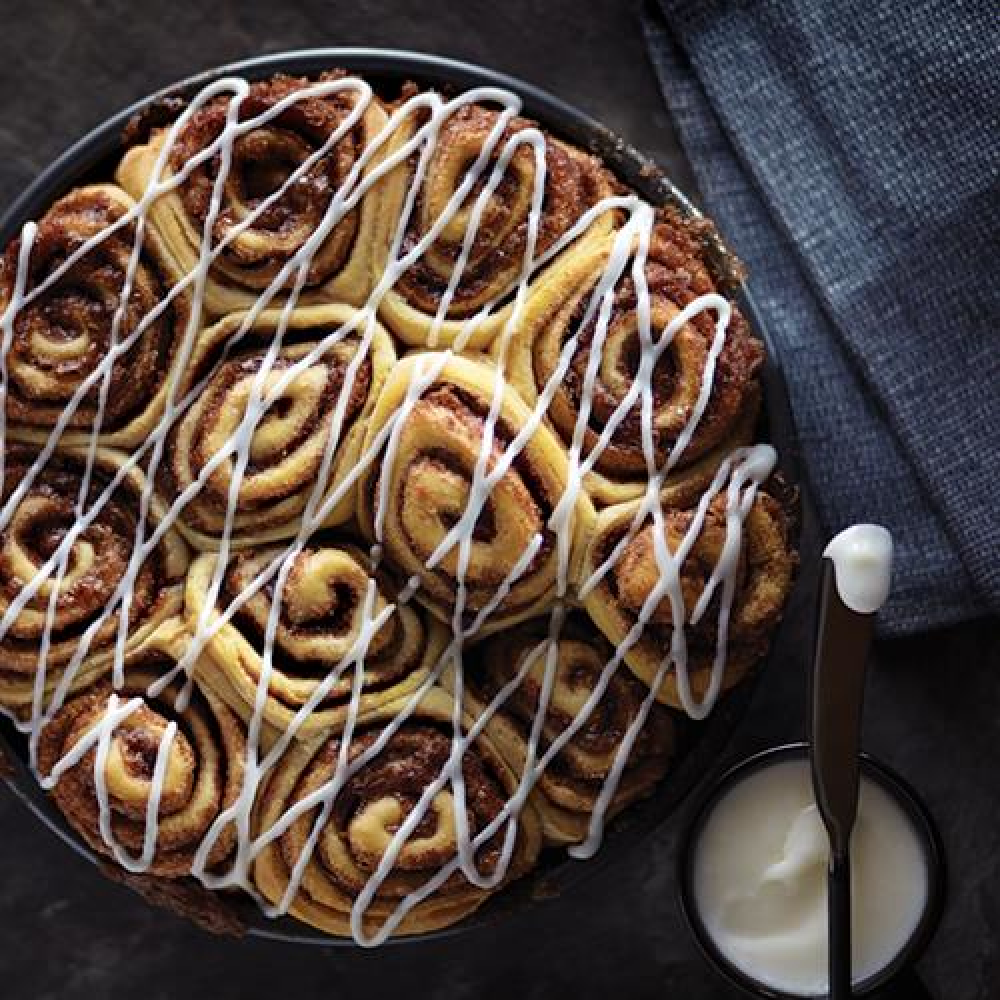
862	566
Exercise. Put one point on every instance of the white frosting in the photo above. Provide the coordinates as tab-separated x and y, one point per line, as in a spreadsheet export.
862	566
739	476
765	904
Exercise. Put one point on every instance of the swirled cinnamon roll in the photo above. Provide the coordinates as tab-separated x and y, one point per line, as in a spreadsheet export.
336	617
311	396
289	173
544	363
72	315
568	788
377	797
762	575
59	572
423	321
420	493
493	255
185	765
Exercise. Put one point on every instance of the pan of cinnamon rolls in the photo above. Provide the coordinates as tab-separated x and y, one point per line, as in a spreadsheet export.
395	495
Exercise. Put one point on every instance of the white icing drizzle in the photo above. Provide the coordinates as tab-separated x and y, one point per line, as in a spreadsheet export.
862	566
739	475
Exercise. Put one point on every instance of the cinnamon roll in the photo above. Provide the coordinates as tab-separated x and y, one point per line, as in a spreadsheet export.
336	617
376	797
311	395
762	577
267	219
473	301
421	488
556	338
568	788
70	315
392	387
57	592
182	767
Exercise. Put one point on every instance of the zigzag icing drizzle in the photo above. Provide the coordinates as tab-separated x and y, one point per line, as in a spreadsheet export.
738	478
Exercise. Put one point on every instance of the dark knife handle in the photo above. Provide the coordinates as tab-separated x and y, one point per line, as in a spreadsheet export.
843	638
839	914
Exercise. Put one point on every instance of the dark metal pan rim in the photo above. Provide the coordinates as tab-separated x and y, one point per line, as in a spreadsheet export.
557	874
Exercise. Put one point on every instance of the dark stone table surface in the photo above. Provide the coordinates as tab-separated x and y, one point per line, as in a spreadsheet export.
934	708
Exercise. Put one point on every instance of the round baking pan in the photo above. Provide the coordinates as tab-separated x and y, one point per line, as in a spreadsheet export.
94	157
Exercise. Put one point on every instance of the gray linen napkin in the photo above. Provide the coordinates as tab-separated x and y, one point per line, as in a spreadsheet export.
850	153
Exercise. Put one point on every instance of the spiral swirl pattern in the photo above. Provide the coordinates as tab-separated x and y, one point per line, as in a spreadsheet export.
357	553
568	788
96	563
328	601
369	809
260	239
62	336
323	381
428	474
204	762
573	182
676	275
764	579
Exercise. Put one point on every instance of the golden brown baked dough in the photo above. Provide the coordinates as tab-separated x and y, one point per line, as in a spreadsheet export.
574	182
422	485
676	275
203	772
96	563
64	333
302	392
325	608
429	416
375	801
567	790
263	160
766	569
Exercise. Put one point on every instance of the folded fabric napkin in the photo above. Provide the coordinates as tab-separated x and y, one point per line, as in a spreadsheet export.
850	153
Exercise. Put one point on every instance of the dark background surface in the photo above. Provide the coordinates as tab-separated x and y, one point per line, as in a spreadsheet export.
934	701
